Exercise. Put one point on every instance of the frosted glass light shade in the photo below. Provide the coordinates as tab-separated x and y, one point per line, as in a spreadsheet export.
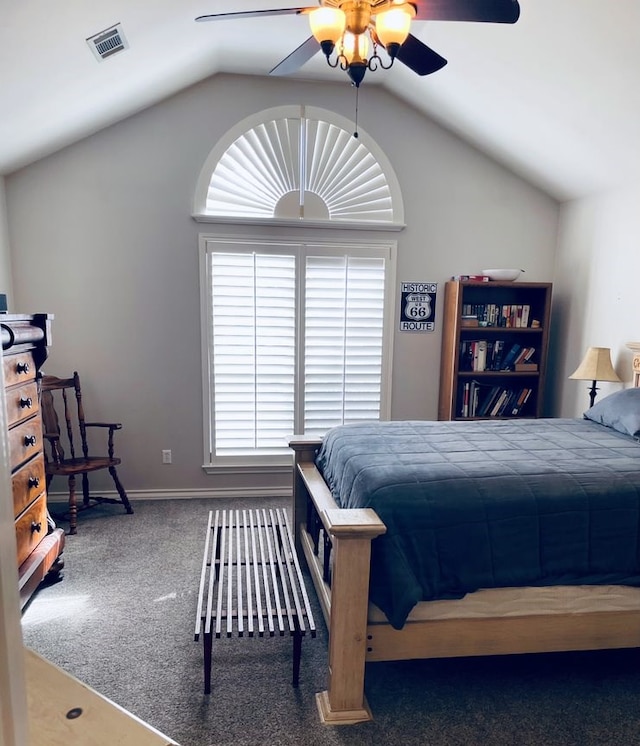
327	24
596	366
356	47
392	26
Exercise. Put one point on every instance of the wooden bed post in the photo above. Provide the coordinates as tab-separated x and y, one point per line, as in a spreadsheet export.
345	603
304	448
635	362
352	532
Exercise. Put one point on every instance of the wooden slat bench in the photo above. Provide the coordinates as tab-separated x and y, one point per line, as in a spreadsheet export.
251	582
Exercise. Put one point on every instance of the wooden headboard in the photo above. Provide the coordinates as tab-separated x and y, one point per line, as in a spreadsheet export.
635	362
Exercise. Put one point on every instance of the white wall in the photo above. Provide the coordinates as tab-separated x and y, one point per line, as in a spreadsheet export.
13	700
6	282
102	238
597	270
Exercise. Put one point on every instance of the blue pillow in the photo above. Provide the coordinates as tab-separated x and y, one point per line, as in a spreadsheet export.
620	411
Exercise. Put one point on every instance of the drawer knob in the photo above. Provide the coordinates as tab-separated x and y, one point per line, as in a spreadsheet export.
30	440
34	482
36	527
22	367
26	402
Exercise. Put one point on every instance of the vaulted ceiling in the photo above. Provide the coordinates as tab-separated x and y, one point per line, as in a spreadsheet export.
556	97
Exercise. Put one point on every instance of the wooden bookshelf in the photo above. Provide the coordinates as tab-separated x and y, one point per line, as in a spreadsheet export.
495	341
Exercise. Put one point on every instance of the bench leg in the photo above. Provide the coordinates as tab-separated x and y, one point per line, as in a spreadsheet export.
208	644
297	654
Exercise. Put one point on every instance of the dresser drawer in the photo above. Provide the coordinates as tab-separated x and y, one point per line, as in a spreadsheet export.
31	527
19	368
22	402
27	483
25	440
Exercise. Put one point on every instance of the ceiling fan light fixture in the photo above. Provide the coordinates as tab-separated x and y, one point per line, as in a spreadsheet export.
356	72
327	26
355	48
386	23
392	26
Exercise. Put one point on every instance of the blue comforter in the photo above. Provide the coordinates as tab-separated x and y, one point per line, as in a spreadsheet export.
488	503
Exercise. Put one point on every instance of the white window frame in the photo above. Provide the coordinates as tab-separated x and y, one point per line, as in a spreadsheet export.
239	130
337	246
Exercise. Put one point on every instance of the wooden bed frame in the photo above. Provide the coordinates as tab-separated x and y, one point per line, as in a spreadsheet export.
354	640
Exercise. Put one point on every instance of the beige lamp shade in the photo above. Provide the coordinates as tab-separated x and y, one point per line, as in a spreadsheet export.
596	366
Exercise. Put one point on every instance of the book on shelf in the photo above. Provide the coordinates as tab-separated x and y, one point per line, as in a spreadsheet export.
480	355
483	400
470	278
491	355
512	399
506	315
522	399
525	355
509	359
496	354
499	403
472	398
476	355
469	399
489	401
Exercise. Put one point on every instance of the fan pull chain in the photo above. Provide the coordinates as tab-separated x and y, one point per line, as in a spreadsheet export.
355	134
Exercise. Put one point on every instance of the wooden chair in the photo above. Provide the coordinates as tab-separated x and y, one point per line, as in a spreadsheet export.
57	403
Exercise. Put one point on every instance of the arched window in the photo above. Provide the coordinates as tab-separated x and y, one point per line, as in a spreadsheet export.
297	327
302	165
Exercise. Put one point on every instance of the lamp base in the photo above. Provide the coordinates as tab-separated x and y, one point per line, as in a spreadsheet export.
592	393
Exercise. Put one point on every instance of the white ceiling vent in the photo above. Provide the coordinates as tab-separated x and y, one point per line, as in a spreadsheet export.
108	42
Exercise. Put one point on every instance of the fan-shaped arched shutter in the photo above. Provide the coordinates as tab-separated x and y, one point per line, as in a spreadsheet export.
298	164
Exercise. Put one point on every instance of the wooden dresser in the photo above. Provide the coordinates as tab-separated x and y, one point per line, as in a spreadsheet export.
25	342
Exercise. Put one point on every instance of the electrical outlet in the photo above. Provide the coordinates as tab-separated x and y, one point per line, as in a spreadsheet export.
166	457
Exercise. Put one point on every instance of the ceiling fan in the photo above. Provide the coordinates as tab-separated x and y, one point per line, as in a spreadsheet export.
349	26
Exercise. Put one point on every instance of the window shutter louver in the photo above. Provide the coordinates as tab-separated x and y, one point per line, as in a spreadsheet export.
299	155
344	313
296	342
252	351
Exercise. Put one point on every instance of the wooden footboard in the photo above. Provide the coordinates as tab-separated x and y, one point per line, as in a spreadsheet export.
337	546
342	582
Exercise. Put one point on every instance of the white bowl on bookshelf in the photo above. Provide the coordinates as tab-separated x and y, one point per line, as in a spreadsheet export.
502	275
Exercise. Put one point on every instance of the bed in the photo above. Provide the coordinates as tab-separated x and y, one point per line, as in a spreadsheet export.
522	536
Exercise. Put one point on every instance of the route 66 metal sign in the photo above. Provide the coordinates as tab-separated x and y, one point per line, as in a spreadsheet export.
418	306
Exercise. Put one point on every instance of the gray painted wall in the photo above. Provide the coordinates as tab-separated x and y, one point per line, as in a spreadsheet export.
6	280
596	290
101	236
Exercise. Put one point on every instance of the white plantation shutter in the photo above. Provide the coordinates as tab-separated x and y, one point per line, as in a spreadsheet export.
344	314
253	319
297	341
300	166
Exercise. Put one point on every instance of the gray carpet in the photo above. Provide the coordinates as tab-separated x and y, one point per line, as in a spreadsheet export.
122	621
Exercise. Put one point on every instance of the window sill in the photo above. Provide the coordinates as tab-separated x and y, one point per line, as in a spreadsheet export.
301	223
248	467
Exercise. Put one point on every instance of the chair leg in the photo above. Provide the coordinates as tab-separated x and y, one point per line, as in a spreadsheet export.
85	488
120	488
73	508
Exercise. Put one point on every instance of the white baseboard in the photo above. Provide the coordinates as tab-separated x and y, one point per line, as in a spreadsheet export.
269	492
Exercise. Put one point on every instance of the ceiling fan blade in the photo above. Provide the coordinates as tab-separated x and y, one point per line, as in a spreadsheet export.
419	57
297	58
254	14
484	11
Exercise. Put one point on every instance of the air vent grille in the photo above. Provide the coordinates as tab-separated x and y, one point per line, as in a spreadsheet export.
108	42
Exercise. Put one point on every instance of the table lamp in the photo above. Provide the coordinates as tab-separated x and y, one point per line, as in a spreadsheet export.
595	366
